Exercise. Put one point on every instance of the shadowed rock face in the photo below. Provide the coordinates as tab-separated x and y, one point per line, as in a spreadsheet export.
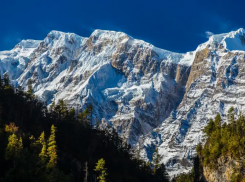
132	85
216	82
165	97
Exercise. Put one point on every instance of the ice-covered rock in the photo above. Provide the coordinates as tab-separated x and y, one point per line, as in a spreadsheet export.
161	97
131	84
216	82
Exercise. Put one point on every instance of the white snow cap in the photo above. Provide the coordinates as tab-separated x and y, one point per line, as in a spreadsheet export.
232	41
29	43
120	37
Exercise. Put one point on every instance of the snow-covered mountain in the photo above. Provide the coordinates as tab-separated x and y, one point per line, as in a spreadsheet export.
131	84
216	82
161	97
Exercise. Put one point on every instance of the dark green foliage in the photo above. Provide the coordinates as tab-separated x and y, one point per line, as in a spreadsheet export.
30	90
75	144
185	177
227	140
160	174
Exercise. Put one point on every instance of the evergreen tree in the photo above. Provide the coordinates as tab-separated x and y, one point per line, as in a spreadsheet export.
100	168
43	154
210	127
84	144
6	82
231	117
84	118
161	174
30	90
156	159
14	147
217	121
52	149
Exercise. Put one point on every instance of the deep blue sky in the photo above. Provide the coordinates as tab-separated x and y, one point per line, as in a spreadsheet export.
176	25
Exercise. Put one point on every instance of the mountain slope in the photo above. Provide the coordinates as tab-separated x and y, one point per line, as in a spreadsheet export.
131	84
29	151
216	82
161	97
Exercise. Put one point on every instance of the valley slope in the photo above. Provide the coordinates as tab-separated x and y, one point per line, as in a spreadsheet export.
157	97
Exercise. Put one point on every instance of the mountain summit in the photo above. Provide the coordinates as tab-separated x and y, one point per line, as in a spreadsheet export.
152	97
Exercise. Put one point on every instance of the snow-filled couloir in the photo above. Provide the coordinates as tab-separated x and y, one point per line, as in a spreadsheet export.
131	84
215	83
161	97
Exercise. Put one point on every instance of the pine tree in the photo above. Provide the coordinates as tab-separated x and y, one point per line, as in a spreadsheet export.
209	128
83	118
72	113
14	147
156	159
43	154
217	121
100	168
6	82
161	174
30	90
231	117
52	149
63	108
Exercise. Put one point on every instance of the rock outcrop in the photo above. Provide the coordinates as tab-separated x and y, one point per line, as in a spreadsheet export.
226	167
161	97
131	84
216	82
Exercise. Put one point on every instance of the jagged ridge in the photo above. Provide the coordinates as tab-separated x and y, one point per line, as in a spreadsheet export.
131	84
216	82
135	86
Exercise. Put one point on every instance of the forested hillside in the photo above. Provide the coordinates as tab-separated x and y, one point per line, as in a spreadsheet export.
224	149
58	144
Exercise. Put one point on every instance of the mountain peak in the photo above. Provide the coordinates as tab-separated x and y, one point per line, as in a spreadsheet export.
99	32
28	43
134	85
233	41
109	35
54	34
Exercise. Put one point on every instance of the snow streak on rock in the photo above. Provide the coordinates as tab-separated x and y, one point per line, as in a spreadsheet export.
216	82
131	84
153	97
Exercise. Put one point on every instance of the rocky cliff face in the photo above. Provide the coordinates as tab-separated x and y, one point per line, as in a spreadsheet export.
224	172
216	82
161	97
131	84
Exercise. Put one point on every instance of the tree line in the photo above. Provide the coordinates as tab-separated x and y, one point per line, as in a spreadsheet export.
225	140
57	144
